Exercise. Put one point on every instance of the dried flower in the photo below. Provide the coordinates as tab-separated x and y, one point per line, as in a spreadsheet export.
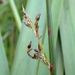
37	52
27	18
29	46
36	25
39	47
38	17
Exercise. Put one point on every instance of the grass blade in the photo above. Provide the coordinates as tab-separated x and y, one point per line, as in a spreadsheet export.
53	16
56	15
59	58
67	32
4	70
16	14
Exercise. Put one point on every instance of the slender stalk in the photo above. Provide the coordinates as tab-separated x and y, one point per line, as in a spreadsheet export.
15	13
43	36
37	52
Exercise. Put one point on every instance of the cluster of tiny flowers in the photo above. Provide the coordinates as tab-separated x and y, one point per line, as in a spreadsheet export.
37	52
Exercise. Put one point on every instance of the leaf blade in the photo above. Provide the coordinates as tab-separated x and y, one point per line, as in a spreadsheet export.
67	32
4	70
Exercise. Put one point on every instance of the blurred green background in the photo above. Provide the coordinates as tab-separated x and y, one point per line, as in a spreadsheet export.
8	27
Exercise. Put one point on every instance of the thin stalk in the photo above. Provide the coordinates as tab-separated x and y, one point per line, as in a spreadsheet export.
44	33
41	44
16	14
38	52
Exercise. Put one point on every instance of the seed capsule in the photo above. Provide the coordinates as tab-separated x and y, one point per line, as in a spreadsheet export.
38	17
29	46
51	68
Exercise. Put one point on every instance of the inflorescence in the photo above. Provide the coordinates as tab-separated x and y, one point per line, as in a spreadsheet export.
37	52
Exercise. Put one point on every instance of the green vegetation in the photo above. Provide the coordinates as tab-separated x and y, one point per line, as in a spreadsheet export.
57	27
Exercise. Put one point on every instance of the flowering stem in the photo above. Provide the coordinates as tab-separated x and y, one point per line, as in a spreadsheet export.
37	52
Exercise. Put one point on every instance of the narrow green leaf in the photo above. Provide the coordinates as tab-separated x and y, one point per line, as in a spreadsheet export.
16	14
4	70
53	16
59	59
67	32
56	15
49	30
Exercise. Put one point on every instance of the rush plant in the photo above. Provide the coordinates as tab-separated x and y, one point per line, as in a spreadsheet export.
37	52
52	53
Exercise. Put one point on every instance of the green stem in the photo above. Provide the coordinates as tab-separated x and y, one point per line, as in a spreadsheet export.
40	43
15	13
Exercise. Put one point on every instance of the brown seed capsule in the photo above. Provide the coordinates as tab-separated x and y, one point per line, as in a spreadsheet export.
35	56
38	17
51	68
29	46
27	24
35	50
27	18
39	47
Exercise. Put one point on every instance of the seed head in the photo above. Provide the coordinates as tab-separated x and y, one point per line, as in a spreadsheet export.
29	46
38	17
